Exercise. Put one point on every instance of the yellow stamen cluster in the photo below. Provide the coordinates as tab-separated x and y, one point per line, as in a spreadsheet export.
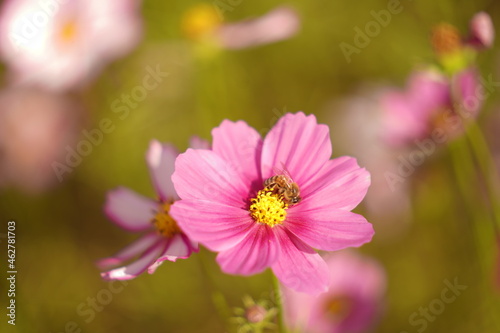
268	208
339	307
200	21
68	32
164	223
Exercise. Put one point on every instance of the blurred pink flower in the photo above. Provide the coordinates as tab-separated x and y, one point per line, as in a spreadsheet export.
203	23
35	128
408	113
226	206
63	45
352	304
360	133
163	239
482	31
279	24
431	100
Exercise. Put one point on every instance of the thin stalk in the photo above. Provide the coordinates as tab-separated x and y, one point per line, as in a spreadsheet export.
482	155
279	305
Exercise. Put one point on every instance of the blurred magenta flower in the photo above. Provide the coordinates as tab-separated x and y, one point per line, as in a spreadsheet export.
431	100
62	45
35	129
408	113
226	206
352	304
482	31
163	239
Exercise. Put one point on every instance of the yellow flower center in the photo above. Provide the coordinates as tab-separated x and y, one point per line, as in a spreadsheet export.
268	208
164	223
68	32
200	21
338	308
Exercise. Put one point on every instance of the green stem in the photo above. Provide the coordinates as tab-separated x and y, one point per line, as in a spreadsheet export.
465	173
279	304
217	297
483	158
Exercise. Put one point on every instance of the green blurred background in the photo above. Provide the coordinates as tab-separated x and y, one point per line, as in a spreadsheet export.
61	233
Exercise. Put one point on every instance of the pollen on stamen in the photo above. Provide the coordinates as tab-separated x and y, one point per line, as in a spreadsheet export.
268	208
164	223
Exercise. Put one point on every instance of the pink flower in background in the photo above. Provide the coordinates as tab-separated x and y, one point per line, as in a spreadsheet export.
359	132
227	207
482	31
279	24
352	304
63	45
202	22
431	100
35	129
162	239
408	114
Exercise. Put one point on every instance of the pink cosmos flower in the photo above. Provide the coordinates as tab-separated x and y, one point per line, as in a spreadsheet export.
431	100
162	239
61	45
352	304
226	206
482	31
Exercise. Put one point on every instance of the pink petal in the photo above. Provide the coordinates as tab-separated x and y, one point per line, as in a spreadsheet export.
298	143
130	210
217	226
329	229
133	270
204	175
196	142
279	24
340	184
482	31
240	145
134	249
257	251
465	86
161	162
298	266
178	247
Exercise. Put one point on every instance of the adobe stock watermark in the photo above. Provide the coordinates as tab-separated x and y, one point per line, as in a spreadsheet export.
363	37
223	6
31	23
451	120
420	319
121	107
88	309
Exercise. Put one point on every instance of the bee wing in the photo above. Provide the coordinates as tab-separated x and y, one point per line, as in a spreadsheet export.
283	171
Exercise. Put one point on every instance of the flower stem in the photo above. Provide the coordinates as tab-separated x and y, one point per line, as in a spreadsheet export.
479	148
279	304
484	238
217	297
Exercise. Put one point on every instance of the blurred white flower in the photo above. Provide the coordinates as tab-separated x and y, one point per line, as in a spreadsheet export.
35	128
359	132
60	44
